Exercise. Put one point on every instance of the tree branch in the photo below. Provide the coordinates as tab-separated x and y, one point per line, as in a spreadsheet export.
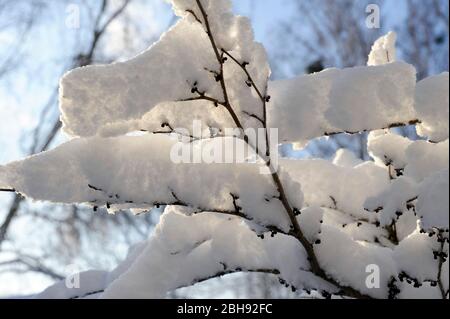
296	230
7	190
229	272
390	126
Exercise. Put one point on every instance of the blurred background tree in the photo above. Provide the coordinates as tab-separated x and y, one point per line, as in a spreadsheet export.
40	40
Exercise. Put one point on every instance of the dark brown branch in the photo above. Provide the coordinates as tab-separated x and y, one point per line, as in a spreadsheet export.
205	98
390	126
221	61
392	233
194	15
7	190
200	280
254	116
264	98
229	272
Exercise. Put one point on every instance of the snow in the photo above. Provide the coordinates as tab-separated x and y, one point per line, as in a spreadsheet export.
432	105
383	50
388	148
139	172
146	91
310	221
95	96
327	185
393	200
347	260
432	204
414	256
221	214
347	100
207	244
424	167
81	285
346	158
425	159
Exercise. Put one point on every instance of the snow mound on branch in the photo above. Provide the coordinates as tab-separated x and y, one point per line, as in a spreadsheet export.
327	185
432	204
95	96
165	116
310	221
383	50
348	100
205	245
388	149
425	159
346	158
140	172
91	283
423	171
122	97
347	261
394	200
414	256
416	159
432	105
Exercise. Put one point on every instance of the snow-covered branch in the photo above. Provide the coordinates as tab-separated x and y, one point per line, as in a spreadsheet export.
316	224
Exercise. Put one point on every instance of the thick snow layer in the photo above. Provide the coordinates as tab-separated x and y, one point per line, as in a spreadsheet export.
383	50
432	105
82	285
417	159
310	221
327	185
414	256
205	245
348	100
145	92
424	167
95	96
394	200
425	159
388	148
222	215
347	260
165	117
432	204
346	158
137	171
